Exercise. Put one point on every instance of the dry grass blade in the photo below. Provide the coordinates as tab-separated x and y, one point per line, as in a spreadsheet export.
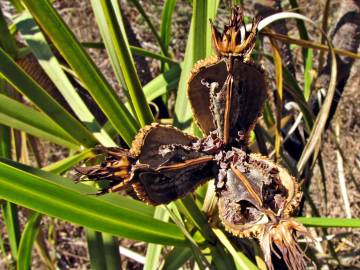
341	174
310	44
319	125
324	28
132	255
279	96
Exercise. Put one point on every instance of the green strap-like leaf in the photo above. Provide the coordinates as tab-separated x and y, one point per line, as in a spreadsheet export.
134	50
7	41
28	237
162	83
166	18
330	222
41	50
32	228
96	249
151	26
73	52
10	216
155	88
109	43
307	73
15	76
177	258
118	45
55	199
9	210
153	251
63	165
111	252
242	262
19	116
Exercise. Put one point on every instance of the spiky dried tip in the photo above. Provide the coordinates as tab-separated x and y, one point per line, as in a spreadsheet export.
233	41
115	169
283	236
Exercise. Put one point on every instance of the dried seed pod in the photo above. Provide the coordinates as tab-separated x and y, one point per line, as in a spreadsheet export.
160	167
256	200
256	196
205	71
227	92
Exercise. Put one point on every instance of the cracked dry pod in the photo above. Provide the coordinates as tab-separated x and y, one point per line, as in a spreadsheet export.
227	91
256	199
160	167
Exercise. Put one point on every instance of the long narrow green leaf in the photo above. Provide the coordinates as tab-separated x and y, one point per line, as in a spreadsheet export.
193	213
7	41
14	75
151	26
212	8
197	47
330	222
112	198
176	258
31	228
63	165
122	52
10	216
9	210
96	249
162	83
200	19
111	252
11	220
28	237
201	260
307	73
241	261
166	17
22	117
5	132
302	29
165	32
153	251
38	45
155	88
134	50
75	55
43	195
279	96
109	43
146	53
17	4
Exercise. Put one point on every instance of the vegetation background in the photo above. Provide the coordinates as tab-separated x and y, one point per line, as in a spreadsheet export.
47	241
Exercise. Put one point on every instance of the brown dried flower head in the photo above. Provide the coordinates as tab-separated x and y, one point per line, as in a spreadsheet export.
256	199
256	195
233	41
